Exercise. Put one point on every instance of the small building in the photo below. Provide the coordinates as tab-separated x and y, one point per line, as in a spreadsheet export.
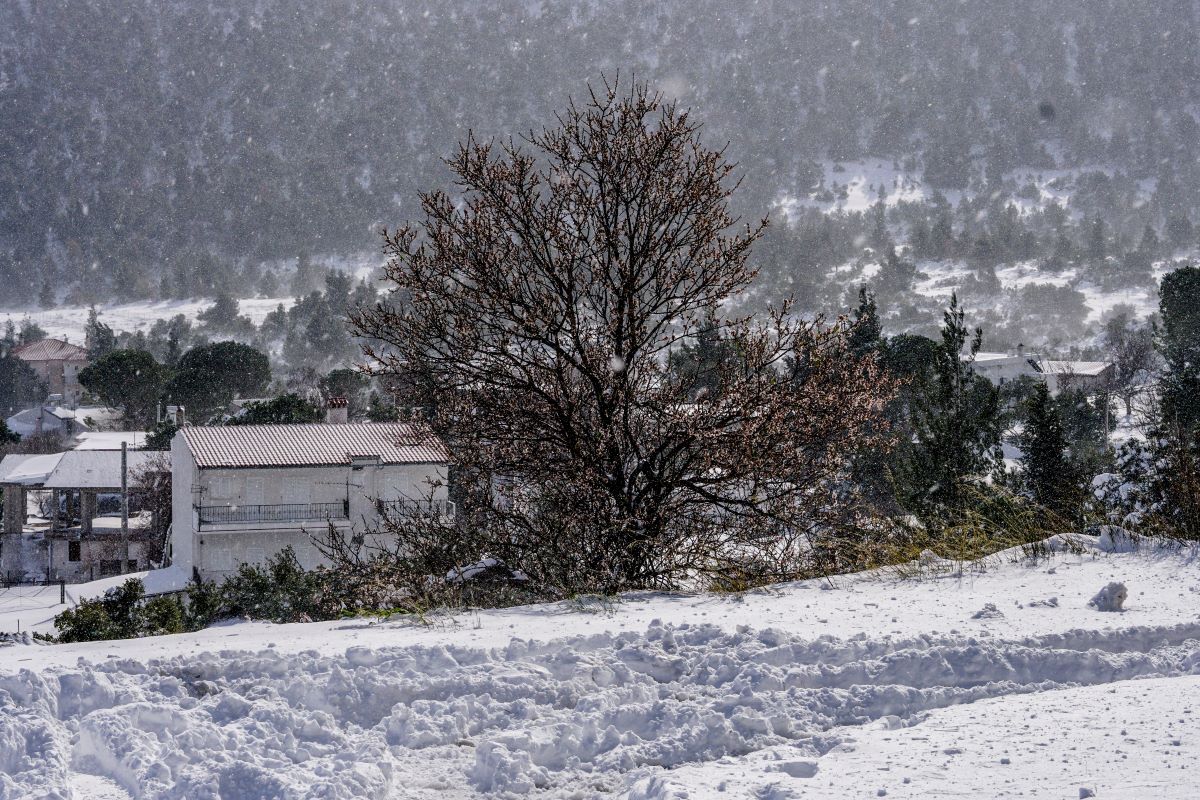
58	363
77	533
1090	376
1000	368
109	440
242	493
64	422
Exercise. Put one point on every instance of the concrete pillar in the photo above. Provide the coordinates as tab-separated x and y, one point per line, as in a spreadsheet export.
14	509
87	510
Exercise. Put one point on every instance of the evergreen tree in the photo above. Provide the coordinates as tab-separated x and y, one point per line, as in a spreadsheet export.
896	274
268	285
99	338
1150	245
127	379
1049	476
288	409
867	334
941	237
7	436
222	315
1179	307
20	386
1097	244
956	424
697	365
210	376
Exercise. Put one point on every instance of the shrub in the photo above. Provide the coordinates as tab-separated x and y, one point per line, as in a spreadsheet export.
122	613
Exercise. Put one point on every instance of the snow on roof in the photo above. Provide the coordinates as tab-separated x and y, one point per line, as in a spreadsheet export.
95	469
50	350
1084	368
83	412
23	423
27	470
109	440
312	445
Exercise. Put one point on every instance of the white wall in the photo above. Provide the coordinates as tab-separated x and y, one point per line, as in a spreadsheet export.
217	549
183	518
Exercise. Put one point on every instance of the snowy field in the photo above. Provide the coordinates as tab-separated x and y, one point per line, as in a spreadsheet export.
858	185
68	322
999	682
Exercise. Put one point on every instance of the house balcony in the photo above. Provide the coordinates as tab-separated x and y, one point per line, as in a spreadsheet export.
274	516
396	509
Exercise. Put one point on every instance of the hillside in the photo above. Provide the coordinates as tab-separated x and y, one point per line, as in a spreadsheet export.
156	150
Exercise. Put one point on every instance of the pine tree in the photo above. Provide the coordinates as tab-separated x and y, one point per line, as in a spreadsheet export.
1049	476
99	338
867	334
956	423
1150	245
941	237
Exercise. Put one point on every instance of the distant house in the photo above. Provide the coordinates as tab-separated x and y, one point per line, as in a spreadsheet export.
58	364
1091	376
109	440
243	493
63	421
1000	368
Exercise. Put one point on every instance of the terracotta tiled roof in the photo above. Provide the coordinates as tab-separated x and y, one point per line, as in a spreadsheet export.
312	445
50	350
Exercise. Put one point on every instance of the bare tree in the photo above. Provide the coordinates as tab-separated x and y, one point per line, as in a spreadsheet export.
151	481
1130	348
533	318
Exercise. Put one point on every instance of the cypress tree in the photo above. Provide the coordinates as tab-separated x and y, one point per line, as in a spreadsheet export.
1179	305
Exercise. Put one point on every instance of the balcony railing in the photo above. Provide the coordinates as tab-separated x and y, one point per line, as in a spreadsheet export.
284	512
404	508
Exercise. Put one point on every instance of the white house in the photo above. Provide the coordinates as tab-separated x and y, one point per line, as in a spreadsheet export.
1000	368
242	493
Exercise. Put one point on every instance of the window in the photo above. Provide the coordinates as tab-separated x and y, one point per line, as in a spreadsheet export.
131	565
73	549
254	492
221	487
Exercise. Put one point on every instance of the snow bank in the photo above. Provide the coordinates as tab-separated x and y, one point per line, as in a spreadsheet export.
599	710
663	697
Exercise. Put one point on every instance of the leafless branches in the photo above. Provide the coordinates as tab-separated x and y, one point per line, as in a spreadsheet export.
532	321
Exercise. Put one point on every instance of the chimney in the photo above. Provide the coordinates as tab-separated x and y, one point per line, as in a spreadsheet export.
175	416
337	411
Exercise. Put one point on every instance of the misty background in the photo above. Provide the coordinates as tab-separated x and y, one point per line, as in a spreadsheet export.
179	150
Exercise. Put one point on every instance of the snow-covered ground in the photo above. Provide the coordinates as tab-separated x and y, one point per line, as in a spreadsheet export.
1001	681
68	322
